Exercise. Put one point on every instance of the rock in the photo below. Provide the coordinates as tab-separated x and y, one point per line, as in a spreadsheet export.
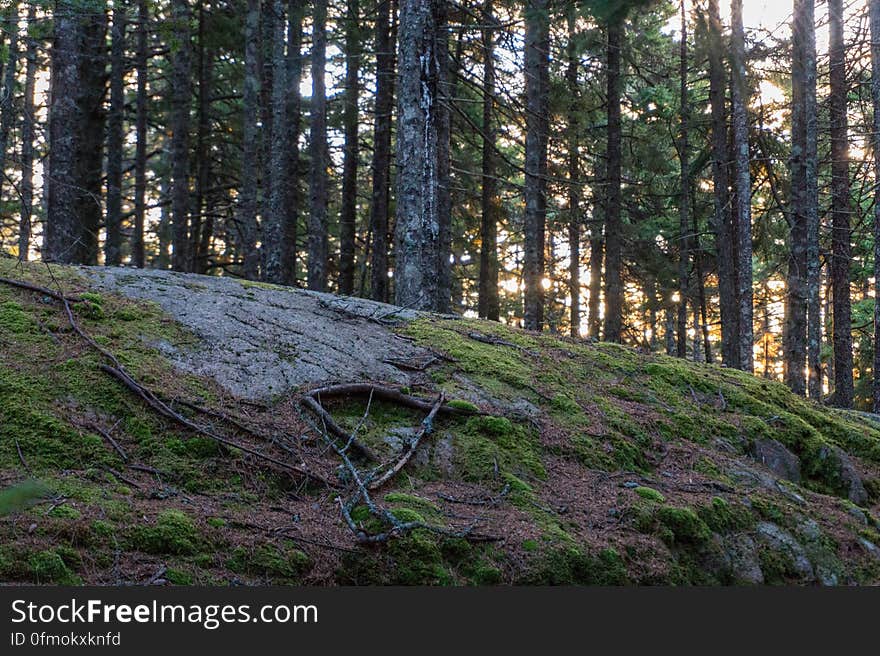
740	554
781	540
847	476
852	481
259	341
870	547
443	456
858	514
826	577
773	455
398	438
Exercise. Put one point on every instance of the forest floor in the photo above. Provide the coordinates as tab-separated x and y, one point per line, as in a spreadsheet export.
175	428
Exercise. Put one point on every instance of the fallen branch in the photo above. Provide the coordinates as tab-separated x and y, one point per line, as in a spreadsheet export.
161	408
327	420
484	501
384	393
425	429
21	457
106	435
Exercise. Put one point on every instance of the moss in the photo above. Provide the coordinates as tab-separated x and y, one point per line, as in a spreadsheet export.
271	561
65	512
102	529
49	567
174	533
530	545
13	318
178	577
461	404
216	522
721	516
418	560
649	493
572	566
684	524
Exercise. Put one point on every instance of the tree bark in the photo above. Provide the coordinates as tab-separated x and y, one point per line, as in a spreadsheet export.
684	193
7	88
381	164
115	120
247	209
537	25
574	185
348	212
318	181
727	285
811	205
417	230
742	214
840	212
274	218
874	9
76	135
488	303
140	158
180	122
294	119
613	223
203	221
794	334
446	93
27	142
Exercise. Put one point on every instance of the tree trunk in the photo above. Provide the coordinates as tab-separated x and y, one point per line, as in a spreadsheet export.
293	120
684	193
180	120
274	218
247	209
203	221
742	210
669	330
27	143
574	187
140	158
446	92
488	304
7	89
727	285
811	206
90	161
875	101
417	230
115	127
840	212
348	212
596	253
76	135
794	334
537	24
318	182
613	223
381	165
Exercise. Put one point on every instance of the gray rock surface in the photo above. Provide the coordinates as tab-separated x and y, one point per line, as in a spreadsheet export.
773	455
259	341
781	540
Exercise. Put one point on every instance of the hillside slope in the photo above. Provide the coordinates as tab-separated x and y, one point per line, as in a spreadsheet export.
186	429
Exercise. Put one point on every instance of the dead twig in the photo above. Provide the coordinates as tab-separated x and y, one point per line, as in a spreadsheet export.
21	457
386	394
425	429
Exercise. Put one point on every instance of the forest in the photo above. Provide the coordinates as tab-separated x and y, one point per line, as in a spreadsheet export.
693	177
438	292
